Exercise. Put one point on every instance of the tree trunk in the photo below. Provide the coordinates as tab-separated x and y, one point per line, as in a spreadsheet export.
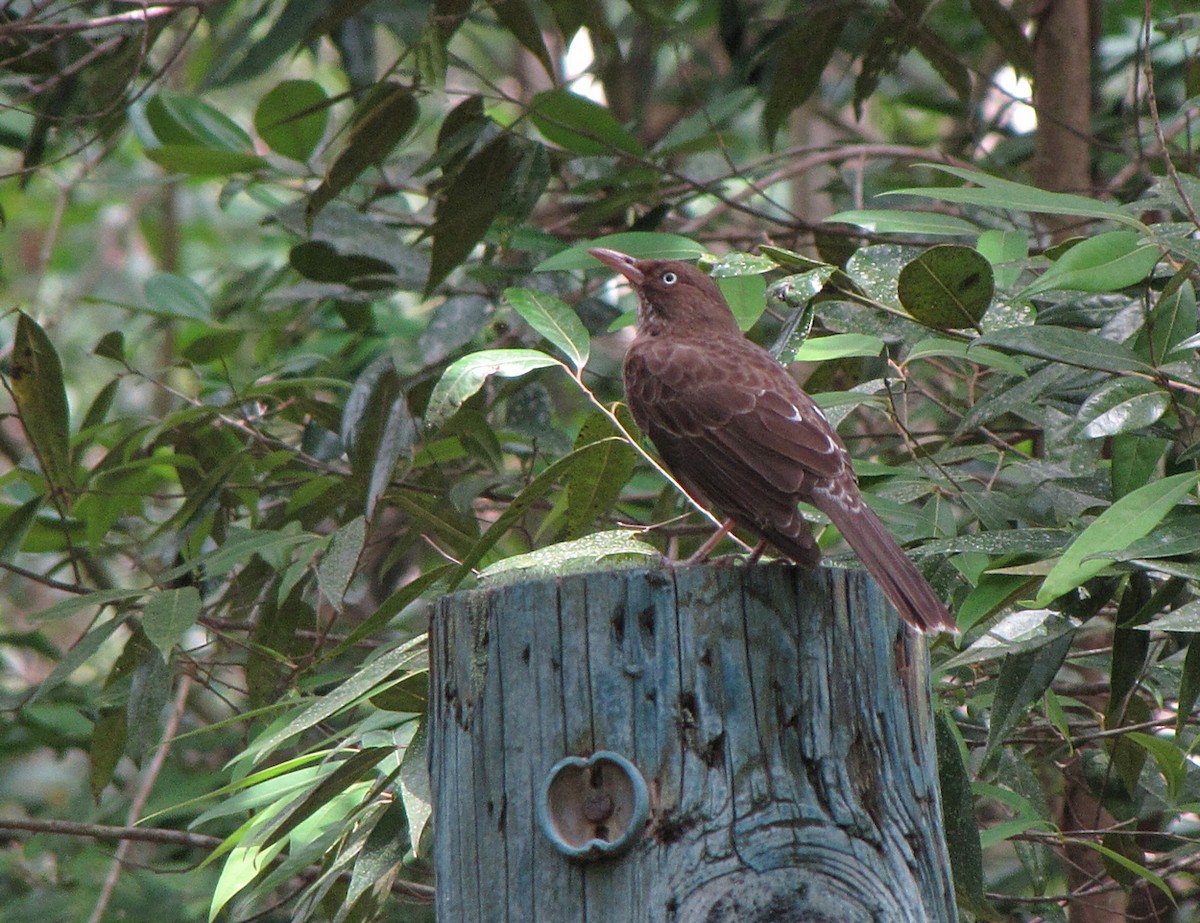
1062	95
778	718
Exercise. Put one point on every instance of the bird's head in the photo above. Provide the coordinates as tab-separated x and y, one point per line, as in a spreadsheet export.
673	297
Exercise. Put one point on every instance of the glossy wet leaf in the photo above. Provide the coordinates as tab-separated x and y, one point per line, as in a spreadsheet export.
1121	406
606	551
467	375
555	320
1062	344
338	563
947	287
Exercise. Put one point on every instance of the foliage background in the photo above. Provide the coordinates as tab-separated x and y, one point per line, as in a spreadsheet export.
259	257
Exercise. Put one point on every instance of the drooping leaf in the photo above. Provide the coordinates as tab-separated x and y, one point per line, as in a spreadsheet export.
467	375
796	60
530	494
380	122
580	125
168	614
1024	677
41	398
555	320
518	18
340	561
595	483
746	295
1130	518
470	203
958	821
416	791
947	287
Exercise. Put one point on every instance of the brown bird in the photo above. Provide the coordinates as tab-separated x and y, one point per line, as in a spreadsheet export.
736	430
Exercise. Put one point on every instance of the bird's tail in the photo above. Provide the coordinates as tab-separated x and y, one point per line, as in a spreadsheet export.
899	579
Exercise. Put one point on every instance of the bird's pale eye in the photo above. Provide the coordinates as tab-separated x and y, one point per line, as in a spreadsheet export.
669	278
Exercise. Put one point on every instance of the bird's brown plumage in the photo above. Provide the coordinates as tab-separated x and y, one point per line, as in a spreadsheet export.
738	432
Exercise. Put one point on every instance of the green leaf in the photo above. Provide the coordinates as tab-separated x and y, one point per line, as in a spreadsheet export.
600	551
1172	320
177	296
947	287
1121	406
642	245
36	379
291	118
958	820
519	21
937	347
1130	518
530	494
340	561
469	205
1139	870
1104	263
168	615
555	320
1007	31
746	296
580	125
797	58
1071	347
1024	678
595	483
193	160
1189	683
416	791
839	346
899	221
182	120
1170	758
380	122
467	375
81	651
1003	249
404	656
1004	194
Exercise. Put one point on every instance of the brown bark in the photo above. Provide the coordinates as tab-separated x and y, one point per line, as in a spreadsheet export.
1062	94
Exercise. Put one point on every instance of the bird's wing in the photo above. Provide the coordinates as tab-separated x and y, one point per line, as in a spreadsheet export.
741	420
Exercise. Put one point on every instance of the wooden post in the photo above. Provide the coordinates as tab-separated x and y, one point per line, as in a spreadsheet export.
779	719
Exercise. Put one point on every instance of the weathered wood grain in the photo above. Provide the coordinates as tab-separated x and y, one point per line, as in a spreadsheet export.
787	745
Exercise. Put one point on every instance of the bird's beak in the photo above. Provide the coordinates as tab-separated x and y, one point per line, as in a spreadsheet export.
621	262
